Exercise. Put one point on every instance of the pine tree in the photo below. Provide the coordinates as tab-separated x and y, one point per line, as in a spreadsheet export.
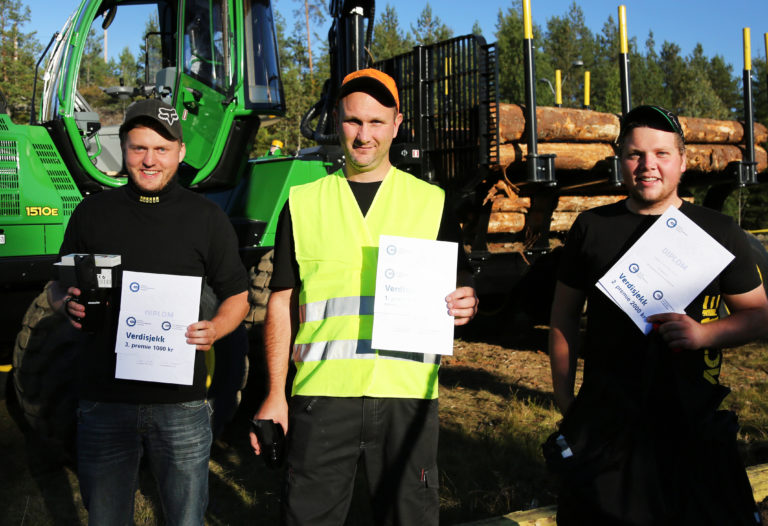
429	28
388	38
127	68
509	43
568	42
18	52
310	13
606	87
726	85
151	26
647	77
760	89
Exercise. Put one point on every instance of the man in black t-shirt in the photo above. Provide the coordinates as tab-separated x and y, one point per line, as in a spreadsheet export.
642	442
156	226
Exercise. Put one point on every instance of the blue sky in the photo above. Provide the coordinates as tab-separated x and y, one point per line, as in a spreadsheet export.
717	25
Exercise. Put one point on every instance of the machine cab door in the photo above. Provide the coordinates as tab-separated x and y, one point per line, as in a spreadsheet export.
206	80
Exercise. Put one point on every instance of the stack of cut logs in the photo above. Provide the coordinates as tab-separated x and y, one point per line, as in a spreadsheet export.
581	139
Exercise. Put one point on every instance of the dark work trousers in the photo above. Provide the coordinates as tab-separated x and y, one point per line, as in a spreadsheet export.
397	440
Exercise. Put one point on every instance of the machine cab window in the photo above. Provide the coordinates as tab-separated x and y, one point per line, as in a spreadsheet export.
205	43
264	89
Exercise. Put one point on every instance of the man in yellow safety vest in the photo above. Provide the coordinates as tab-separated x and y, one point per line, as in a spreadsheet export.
351	402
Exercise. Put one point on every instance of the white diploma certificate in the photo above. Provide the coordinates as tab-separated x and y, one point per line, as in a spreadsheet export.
413	277
155	310
664	271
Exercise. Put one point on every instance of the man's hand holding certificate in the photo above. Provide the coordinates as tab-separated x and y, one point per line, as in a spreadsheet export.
413	278
155	311
671	263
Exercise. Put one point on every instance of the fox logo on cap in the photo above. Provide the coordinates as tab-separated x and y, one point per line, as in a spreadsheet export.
168	115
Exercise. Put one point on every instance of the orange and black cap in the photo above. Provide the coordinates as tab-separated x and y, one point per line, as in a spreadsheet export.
375	83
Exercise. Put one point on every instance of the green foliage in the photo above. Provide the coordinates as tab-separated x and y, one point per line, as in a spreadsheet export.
308	14
154	52
760	88
648	76
93	69
18	52
302	89
429	28
388	39
509	44
127	68
568	41
606	82
476	29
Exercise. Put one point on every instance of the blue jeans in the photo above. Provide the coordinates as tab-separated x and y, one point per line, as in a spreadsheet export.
112	438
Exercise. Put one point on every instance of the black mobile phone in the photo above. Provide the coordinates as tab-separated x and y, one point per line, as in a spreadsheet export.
271	441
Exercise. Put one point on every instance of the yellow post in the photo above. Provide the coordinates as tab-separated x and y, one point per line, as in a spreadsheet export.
586	89
558	88
527	23
624	46
747	51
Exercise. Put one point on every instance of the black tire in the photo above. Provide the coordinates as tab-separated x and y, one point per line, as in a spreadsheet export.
258	291
44	374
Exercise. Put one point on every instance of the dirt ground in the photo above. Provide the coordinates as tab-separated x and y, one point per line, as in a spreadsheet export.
480	384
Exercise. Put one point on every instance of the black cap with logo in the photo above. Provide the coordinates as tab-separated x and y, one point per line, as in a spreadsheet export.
156	110
650	116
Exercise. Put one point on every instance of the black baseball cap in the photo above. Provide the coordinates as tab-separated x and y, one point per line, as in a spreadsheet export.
156	110
650	116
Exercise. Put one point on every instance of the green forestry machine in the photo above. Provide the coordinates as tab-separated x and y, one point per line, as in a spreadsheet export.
216	62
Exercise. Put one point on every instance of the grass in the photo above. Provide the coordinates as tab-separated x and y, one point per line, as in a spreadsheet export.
496	410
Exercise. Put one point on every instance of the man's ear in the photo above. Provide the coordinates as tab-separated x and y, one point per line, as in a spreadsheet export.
182	152
685	162
398	122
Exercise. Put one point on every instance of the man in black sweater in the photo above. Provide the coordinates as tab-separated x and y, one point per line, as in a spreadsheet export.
156	226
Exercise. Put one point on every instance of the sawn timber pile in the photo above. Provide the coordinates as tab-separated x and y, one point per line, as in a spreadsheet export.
582	140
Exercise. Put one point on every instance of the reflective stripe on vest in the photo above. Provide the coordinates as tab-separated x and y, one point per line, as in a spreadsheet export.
354	350
337	251
349	306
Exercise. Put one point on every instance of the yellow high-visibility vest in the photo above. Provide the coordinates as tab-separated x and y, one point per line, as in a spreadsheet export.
337	252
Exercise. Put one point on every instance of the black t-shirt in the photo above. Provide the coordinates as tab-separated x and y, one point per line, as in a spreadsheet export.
286	268
614	347
183	233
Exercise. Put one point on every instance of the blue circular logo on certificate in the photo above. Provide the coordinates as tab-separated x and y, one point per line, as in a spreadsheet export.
634	267
389	273
671	222
134	286
391	250
131	321
166	326
657	294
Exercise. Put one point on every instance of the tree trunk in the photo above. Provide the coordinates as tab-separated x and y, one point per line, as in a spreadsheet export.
558	124
309	44
568	124
585	156
570	156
